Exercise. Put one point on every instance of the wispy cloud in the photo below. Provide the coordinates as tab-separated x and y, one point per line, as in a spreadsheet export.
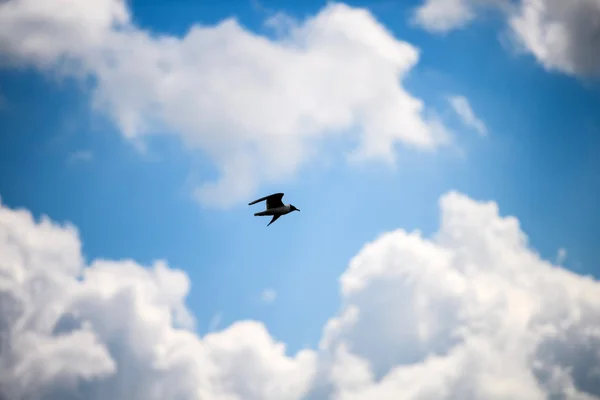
268	295
463	108
561	256
80	156
214	322
442	16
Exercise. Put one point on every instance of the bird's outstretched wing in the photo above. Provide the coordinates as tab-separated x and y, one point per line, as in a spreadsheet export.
275	217
273	200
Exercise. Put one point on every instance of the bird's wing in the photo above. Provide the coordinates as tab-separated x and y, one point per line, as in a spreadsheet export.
273	200
275	217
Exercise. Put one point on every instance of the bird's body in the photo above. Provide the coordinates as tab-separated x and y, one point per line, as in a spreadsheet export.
286	209
275	207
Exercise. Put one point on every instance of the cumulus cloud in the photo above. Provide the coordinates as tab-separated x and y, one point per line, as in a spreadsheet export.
562	35
463	109
471	312
258	107
120	330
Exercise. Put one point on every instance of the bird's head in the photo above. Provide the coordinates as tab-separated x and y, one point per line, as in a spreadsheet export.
292	208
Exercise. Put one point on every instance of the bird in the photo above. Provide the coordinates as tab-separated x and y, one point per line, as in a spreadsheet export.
275	207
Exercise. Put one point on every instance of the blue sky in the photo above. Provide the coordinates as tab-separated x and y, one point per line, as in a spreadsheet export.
537	163
62	157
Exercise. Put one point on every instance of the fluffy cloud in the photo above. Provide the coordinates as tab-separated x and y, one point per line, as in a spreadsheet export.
443	16
469	313
258	107
562	35
116	329
463	109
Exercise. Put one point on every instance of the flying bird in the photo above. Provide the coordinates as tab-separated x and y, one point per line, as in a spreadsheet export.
275	207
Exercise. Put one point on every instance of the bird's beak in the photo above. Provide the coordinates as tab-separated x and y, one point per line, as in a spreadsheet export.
297	209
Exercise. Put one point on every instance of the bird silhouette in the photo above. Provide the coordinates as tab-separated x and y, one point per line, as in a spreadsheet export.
275	207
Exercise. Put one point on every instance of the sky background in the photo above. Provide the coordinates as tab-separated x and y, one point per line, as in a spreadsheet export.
62	156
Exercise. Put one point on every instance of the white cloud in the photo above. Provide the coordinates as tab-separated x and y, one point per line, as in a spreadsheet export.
259	108
462	107
268	295
116	329
562	35
471	312
442	16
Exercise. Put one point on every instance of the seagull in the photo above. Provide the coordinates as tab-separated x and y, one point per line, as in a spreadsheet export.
275	207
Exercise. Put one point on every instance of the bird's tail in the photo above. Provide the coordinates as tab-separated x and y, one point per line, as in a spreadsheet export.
261	213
